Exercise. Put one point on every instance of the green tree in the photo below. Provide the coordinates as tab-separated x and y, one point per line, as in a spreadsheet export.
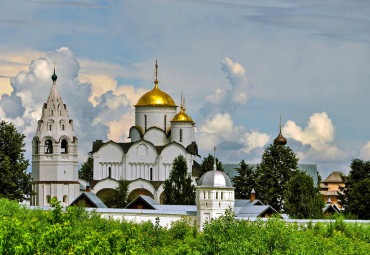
245	182
276	168
207	165
302	198
178	188
15	182
119	198
355	196
87	168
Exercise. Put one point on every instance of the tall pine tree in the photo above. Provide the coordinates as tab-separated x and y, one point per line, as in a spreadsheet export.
355	196
245	181
87	169
178	188
302	198
276	168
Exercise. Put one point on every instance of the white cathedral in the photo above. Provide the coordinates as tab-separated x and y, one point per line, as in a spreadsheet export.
159	135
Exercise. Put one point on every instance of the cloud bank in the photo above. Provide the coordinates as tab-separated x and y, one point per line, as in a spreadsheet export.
218	128
99	111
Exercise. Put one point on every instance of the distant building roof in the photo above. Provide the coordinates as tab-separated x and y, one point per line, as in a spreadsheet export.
330	192
90	199
310	169
335	176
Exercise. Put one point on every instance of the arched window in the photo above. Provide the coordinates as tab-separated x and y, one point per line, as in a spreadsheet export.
145	121
180	135
48	199
48	147
50	125
65	199
62	126
64	146
216	195
165	123
36	142
222	195
109	172
52	112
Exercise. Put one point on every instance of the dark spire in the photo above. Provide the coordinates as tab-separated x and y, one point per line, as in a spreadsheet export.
280	139
54	77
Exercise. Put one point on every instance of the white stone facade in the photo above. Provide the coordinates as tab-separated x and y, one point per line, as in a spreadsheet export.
54	154
157	138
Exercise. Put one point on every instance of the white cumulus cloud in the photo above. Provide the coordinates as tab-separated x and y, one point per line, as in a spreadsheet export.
318	133
217	127
102	120
316	139
228	99
365	151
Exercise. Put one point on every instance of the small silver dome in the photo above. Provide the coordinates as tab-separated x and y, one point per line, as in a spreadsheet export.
215	179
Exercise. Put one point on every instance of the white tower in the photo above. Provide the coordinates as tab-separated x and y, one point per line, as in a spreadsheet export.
214	195
54	154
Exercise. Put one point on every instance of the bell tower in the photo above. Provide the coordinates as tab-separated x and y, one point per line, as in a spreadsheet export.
54	153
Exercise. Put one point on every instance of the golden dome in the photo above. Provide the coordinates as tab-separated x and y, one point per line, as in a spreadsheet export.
156	97
182	117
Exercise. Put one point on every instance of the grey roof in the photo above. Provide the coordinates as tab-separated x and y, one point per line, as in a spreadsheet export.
93	198
254	211
163	209
246	208
242	208
215	179
156	206
329	206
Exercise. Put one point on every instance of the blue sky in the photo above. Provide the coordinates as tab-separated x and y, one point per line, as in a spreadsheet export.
240	65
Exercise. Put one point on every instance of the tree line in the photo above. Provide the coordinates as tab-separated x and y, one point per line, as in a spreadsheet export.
276	180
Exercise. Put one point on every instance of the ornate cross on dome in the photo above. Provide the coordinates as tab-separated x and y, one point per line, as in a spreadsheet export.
182	107
280	121
214	160
156	73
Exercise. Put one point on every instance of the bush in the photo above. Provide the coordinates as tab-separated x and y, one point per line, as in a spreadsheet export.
75	231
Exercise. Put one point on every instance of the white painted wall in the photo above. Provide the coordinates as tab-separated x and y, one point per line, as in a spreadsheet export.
155	116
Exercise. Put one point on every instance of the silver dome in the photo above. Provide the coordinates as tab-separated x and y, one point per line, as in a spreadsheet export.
216	179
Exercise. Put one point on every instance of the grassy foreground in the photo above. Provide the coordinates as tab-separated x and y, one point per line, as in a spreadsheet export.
25	231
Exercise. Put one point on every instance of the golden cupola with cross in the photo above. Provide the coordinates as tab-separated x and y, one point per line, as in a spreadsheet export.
156	97
182	127
153	114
